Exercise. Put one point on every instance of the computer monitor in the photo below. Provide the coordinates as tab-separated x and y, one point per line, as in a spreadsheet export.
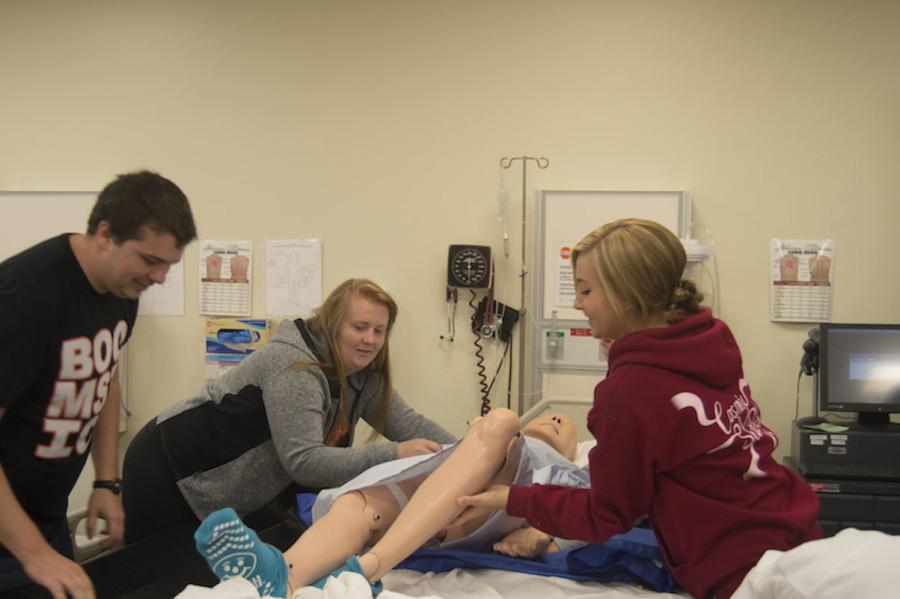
859	370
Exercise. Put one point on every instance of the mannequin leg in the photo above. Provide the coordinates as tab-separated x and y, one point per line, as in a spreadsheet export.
355	520
469	469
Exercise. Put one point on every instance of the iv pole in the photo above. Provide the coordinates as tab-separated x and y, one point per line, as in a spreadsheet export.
506	163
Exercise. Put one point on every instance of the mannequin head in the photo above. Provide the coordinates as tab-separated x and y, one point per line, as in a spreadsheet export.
556	430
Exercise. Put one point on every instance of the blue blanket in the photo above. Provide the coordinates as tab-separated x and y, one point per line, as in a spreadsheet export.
630	557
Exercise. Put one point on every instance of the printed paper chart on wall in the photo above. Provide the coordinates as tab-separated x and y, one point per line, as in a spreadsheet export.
802	280
293	276
226	270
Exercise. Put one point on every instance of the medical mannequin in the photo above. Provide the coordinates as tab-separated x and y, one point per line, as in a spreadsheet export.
373	516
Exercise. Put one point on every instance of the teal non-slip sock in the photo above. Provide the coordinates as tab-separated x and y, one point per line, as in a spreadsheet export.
232	549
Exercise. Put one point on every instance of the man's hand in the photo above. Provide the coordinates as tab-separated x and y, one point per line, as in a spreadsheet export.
413	447
526	542
39	560
59	575
106	505
494	498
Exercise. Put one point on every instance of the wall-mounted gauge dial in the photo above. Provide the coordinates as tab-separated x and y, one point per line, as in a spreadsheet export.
469	266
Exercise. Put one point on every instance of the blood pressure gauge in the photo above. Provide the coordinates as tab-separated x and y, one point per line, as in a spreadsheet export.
469	266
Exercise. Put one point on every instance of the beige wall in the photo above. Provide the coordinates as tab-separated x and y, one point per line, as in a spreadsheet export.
377	127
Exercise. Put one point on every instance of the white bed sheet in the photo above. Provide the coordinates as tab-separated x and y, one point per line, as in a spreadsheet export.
456	584
499	584
861	564
858	564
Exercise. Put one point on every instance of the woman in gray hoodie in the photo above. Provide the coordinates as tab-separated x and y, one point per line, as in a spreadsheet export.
285	415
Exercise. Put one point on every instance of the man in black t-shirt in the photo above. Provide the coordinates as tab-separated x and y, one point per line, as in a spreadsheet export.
67	307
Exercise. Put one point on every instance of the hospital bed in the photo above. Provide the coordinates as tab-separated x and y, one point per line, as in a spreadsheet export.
155	571
855	563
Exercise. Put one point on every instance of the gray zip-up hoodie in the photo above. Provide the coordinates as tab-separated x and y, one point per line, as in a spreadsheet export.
261	426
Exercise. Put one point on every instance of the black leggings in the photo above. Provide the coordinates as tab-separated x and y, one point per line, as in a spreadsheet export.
151	498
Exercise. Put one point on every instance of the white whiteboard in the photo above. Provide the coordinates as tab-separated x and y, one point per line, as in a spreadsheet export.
32	216
564	217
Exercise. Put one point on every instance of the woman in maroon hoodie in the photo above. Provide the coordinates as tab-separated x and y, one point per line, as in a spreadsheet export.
679	437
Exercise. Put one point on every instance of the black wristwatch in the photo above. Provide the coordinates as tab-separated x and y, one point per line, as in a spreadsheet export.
114	485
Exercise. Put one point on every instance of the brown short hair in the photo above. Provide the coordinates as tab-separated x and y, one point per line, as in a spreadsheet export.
135	200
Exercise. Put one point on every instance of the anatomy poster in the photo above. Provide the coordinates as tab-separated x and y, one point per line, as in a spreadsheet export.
802	279
225	275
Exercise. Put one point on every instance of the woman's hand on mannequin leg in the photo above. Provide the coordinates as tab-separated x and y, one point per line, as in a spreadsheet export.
413	447
494	498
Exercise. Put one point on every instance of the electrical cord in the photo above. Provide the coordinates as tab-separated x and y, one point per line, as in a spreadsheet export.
499	366
509	374
479	360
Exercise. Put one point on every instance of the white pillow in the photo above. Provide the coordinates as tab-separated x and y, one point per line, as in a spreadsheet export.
581	453
859	564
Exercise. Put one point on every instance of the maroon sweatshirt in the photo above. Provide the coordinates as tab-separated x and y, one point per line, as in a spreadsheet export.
680	439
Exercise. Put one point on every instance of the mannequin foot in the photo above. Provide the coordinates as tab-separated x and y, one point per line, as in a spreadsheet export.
231	549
